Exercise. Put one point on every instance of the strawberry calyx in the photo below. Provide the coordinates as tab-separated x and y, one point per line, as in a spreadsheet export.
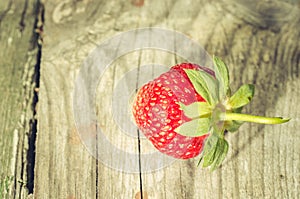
221	112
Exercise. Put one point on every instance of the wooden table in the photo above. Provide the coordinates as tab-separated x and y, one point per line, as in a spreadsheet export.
44	47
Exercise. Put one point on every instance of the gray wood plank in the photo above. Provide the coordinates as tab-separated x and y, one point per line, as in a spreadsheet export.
19	56
260	43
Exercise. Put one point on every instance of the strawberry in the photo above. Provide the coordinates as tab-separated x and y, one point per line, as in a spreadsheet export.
157	112
187	110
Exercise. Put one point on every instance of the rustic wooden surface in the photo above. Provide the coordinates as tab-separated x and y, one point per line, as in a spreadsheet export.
260	42
18	60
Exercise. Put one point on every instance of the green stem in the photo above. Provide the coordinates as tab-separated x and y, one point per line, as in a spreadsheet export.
253	118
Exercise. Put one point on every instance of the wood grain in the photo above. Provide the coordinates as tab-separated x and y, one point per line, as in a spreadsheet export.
18	61
260	43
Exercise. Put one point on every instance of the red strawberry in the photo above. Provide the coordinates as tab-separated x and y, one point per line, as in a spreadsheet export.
187	110
157	112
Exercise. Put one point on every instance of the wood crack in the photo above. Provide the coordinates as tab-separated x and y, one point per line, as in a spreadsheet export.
36	82
23	15
2	15
97	165
139	137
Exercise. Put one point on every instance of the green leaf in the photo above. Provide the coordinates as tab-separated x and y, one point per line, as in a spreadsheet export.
209	150
214	152
212	85
222	75
220	153
194	128
196	109
242	96
200	84
233	126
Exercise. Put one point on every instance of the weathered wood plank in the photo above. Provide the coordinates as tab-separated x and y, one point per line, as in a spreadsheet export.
261	46
18	60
